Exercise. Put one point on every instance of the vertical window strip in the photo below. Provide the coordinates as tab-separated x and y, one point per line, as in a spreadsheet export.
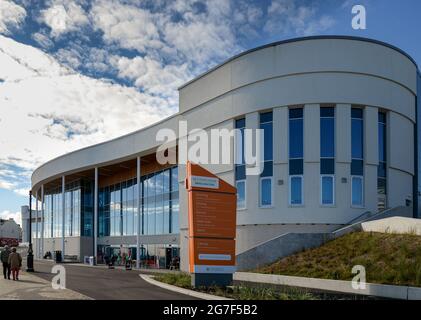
265	183
240	168
296	190
382	166
357	191
266	192
327	156
296	156
241	194
327	187
357	157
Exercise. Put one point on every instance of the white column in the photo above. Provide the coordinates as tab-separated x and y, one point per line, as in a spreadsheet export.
280	157
371	157
42	221
343	158
311	181
252	181
95	224
36	226
139	201
63	209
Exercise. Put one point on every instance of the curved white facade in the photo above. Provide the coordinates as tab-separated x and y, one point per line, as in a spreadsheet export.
311	73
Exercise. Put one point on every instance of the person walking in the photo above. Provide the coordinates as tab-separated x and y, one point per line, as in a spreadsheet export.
15	262
5	260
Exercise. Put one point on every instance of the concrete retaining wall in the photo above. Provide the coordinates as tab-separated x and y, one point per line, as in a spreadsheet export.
398	225
279	247
379	290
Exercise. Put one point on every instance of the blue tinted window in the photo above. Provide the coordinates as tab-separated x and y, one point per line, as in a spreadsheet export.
381	186
240	172
268	140
357	139
382	167
327	166
327	112
382	138
296	196
327	137
357	167
239	146
327	190
296	167
357	191
357	113
296	138
381	170
267	169
241	194
240	123
266	117
174	179
296	113
266	192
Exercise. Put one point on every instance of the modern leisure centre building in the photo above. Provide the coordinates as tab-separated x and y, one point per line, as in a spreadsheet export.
340	121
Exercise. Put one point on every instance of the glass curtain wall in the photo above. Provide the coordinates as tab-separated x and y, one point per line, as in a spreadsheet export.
78	210
72	209
87	205
160	205
174	205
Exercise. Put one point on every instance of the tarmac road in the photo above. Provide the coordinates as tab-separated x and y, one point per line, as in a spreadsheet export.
108	284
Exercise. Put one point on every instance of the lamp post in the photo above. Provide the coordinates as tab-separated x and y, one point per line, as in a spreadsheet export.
30	256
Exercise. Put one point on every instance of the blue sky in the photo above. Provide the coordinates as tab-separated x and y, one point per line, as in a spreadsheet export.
75	73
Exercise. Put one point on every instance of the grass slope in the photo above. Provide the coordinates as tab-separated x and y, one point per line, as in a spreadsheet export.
388	259
239	292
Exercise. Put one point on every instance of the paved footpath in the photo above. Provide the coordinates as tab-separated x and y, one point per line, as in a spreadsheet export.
107	284
31	287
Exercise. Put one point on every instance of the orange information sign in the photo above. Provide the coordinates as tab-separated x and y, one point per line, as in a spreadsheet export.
212	222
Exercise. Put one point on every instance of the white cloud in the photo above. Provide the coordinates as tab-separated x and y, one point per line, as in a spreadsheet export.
301	18
98	60
70	57
203	38
198	37
64	16
61	110
43	40
22	191
6	215
6	185
152	76
11	16
129	26
20	62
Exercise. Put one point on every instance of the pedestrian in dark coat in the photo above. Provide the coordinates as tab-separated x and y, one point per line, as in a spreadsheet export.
5	260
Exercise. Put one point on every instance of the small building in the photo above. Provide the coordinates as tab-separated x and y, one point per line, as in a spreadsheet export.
36	216
10	232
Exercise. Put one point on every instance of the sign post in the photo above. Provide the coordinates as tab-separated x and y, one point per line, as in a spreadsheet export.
212	227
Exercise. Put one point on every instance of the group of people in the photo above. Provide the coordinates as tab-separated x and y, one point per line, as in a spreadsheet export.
122	258
12	262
